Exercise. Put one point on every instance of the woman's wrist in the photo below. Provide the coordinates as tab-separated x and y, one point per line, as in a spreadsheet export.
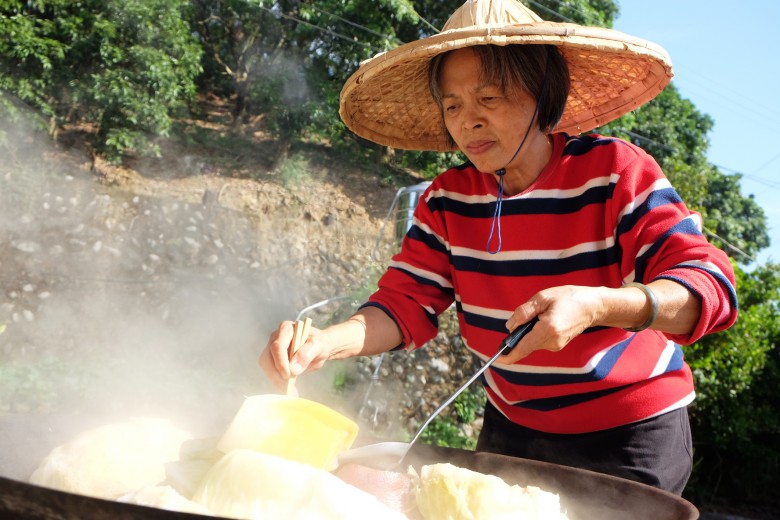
652	300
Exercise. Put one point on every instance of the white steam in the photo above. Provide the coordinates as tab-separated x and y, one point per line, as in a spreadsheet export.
118	305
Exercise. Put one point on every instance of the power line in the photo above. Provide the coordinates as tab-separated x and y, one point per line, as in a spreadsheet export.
689	156
773	159
323	29
730	245
547	9
356	25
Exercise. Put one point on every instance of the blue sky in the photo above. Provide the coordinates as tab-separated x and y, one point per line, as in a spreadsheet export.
726	60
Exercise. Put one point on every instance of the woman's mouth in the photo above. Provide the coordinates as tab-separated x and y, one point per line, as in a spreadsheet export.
478	147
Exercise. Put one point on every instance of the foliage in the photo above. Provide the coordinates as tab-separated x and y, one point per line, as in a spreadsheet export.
123	66
39	385
452	428
735	418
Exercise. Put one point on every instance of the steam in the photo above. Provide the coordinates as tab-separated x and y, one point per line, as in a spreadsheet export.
119	305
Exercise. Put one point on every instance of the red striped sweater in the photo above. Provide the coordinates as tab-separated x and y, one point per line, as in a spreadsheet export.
601	213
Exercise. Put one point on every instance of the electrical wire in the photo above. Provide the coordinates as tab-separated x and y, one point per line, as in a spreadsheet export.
554	13
314	26
355	24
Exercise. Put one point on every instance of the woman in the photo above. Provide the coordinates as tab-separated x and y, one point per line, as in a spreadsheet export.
582	232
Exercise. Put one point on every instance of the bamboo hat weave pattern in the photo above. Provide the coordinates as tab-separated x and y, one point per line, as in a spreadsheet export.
387	99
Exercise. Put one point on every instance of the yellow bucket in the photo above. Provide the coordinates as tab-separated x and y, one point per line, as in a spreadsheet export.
290	427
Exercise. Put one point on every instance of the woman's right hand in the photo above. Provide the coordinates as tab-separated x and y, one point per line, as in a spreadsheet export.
276	362
370	331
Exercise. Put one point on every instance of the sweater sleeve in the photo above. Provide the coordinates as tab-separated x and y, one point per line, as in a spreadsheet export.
417	285
659	237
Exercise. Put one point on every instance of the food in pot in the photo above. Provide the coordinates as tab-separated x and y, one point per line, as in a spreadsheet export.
392	488
196	458
293	428
447	491
252	485
112	460
164	497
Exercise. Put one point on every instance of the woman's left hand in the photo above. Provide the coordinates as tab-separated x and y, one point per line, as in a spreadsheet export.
564	313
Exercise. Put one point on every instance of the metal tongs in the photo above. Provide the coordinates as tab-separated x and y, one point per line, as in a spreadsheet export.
389	455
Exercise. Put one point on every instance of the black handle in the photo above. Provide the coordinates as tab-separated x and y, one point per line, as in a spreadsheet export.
514	337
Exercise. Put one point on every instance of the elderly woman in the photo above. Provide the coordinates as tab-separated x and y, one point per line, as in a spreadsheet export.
582	232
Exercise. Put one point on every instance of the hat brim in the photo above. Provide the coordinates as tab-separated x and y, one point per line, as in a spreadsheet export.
387	100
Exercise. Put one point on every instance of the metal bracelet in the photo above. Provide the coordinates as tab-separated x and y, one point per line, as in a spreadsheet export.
653	306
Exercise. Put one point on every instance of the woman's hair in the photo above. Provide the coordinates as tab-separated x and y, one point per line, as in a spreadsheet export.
540	70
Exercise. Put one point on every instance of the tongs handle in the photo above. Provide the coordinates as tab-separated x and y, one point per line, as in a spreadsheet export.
514	337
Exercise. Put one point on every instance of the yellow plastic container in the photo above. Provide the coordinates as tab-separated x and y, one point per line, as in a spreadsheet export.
290	427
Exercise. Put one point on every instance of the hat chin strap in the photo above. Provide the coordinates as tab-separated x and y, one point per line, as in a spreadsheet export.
495	225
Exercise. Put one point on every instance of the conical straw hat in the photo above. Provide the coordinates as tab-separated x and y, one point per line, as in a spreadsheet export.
387	99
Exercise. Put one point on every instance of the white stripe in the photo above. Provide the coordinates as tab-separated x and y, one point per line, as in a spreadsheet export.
498	392
500	314
422	273
685	401
427	229
640	198
697	221
709	266
532	369
682	403
663	360
539	254
695	264
572	192
460	197
534	194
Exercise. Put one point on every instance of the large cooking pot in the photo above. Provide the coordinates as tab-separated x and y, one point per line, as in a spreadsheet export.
584	495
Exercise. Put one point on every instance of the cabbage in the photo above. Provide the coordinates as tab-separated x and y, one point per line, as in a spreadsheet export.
447	492
251	485
113	459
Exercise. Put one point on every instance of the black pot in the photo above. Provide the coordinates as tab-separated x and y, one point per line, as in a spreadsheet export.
585	495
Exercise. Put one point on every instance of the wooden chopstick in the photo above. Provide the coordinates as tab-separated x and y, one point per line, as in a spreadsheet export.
300	335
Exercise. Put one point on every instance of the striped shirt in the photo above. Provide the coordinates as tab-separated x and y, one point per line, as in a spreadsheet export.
601	213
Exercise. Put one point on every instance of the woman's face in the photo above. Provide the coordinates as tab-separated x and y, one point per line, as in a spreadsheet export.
486	123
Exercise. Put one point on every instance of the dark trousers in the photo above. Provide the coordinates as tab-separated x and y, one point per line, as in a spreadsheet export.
655	451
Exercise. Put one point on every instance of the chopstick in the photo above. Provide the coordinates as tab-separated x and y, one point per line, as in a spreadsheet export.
300	335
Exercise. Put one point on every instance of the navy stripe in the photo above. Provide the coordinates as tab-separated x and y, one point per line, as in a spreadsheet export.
545	267
718	276
549	404
498	324
430	241
687	227
655	200
389	315
677	360
424	281
583	144
485	322
523	206
599	372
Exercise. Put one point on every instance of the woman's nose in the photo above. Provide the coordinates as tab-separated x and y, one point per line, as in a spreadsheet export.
472	118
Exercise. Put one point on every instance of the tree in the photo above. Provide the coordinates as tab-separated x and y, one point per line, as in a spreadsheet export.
736	419
123	66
